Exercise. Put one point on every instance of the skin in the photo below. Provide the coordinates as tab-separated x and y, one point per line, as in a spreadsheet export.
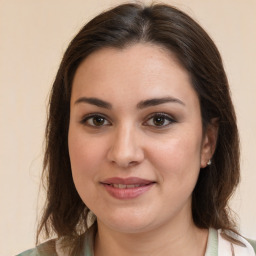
129	142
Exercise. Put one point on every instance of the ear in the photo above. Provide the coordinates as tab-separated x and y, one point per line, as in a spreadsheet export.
209	141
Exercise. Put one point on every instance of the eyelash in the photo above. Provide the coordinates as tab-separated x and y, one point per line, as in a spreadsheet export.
164	116
91	117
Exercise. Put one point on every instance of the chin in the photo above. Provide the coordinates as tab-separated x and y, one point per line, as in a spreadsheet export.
129	223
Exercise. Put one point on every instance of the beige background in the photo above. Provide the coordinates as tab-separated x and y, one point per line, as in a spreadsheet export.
33	37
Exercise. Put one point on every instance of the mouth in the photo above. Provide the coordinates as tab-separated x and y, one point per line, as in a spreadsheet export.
127	188
123	186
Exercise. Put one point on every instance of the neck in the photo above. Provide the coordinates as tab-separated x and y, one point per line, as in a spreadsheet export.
177	238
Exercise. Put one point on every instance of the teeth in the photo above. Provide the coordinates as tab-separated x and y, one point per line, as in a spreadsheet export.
133	186
123	186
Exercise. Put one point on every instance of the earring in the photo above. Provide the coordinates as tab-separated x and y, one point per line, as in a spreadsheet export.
209	162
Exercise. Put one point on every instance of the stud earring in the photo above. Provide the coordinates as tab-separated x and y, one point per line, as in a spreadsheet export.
209	162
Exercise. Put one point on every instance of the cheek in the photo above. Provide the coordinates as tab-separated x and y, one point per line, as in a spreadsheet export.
177	157
85	155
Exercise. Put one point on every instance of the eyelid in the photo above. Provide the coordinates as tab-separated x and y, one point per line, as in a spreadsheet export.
168	117
85	118
161	114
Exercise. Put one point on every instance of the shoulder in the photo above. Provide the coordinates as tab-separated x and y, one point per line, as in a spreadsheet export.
55	247
228	240
31	252
252	243
45	249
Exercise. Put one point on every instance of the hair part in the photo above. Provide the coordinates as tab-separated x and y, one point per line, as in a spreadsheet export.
65	214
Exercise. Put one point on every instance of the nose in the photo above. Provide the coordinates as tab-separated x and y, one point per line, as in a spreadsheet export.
126	149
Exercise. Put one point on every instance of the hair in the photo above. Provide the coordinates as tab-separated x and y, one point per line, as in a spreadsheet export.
65	214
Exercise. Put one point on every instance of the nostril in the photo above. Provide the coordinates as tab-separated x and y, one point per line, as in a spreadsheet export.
125	152
125	164
132	163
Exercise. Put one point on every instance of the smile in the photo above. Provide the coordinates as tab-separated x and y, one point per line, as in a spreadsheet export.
123	186
128	188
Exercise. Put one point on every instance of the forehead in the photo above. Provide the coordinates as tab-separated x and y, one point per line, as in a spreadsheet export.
139	70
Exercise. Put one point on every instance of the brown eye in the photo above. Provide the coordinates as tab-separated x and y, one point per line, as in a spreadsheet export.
159	120
98	120
95	121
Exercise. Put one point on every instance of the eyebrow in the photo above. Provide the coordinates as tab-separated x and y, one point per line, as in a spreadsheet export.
158	101
143	104
94	101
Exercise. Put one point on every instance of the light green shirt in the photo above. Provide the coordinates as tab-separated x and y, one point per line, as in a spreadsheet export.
212	243
211	249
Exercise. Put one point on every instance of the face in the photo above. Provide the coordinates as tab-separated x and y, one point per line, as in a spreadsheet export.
135	138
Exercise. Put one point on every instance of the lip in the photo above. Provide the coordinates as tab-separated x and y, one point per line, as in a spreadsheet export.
140	187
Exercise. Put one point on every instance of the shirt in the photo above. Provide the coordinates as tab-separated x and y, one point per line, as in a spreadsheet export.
216	246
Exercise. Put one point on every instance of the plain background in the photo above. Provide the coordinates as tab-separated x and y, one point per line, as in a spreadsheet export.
33	37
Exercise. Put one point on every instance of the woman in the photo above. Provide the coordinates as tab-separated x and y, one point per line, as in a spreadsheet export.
142	141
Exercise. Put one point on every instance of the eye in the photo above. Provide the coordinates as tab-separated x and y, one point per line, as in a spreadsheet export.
159	120
95	120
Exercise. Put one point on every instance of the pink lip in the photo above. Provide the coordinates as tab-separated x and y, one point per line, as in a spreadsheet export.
127	181
127	193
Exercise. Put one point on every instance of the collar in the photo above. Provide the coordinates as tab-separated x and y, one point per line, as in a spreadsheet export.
216	244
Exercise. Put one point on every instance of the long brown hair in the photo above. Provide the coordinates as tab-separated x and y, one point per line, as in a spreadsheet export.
65	214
